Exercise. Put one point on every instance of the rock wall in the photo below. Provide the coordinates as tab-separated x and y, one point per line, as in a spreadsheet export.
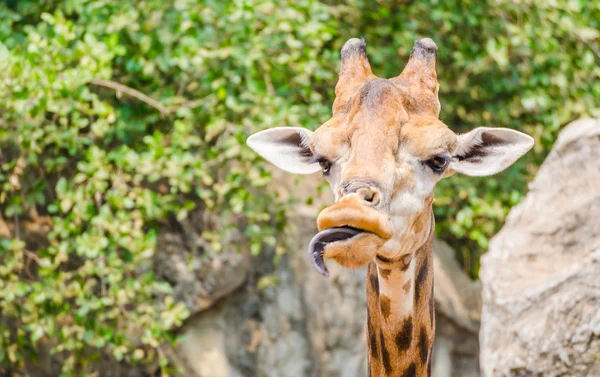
308	325
541	276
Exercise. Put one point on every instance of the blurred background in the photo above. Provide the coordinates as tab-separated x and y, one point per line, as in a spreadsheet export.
139	236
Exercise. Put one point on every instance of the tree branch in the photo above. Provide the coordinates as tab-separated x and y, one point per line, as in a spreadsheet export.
144	98
591	46
132	92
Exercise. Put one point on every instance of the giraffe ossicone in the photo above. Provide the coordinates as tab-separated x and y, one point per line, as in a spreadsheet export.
383	151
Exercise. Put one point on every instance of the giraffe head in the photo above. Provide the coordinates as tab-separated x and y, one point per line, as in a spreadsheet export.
382	152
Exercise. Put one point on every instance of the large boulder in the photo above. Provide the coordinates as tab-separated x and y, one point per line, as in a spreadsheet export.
541	275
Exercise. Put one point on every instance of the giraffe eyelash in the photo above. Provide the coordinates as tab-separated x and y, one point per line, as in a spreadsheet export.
317	159
325	164
438	163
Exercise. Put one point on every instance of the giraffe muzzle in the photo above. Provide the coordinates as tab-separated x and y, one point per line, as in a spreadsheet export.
340	223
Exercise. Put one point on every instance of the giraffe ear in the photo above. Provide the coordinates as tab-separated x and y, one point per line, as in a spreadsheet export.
487	151
285	147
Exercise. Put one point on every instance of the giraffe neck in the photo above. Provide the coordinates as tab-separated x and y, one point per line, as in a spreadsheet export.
400	314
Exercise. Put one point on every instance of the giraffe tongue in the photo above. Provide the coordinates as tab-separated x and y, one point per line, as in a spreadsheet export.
321	239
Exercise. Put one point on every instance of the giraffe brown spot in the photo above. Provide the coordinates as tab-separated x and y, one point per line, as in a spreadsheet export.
411	371
403	262
404	337
423	345
418	225
372	338
385	355
432	307
406	286
373	346
374	282
421	277
385	273
385	306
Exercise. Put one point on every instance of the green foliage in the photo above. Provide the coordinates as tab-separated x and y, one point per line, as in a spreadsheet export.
108	168
108	165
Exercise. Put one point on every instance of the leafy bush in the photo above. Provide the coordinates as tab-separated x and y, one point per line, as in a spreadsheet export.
119	116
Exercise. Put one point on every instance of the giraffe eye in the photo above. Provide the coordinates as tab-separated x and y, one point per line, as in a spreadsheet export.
325	165
438	163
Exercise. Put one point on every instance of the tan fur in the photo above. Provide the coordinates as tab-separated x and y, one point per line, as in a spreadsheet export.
380	131
345	253
354	70
426	136
401	349
418	80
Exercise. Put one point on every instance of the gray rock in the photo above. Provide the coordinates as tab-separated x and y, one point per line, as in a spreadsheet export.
541	276
458	308
198	280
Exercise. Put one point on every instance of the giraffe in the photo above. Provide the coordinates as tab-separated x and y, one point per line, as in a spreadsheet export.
382	152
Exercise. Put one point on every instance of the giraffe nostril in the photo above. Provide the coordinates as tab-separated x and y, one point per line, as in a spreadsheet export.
369	195
367	192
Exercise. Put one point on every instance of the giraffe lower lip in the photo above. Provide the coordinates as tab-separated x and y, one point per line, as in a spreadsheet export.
322	239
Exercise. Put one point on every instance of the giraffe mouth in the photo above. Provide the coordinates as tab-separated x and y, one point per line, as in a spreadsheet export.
349	212
324	238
